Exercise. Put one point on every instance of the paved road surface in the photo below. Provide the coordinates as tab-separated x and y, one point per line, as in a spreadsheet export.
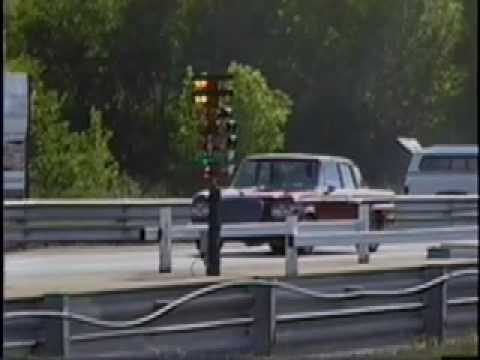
80	268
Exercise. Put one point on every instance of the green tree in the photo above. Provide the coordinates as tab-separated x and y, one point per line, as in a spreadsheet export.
360	72
261	113
70	38
367	71
115	55
68	164
407	80
462	109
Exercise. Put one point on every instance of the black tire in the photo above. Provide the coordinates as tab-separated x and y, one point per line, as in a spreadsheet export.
305	250
277	247
451	193
371	247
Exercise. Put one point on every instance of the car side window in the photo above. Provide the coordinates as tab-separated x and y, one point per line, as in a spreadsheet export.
356	185
435	163
331	174
346	176
246	174
448	163
264	173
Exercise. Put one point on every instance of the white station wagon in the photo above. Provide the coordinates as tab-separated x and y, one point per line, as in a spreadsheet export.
441	169
269	187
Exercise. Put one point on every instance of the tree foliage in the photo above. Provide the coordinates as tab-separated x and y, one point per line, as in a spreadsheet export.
261	113
67	164
359	73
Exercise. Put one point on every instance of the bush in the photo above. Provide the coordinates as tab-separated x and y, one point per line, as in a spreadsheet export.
68	164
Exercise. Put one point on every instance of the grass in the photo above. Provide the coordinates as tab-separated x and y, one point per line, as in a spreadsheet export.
465	348
457	347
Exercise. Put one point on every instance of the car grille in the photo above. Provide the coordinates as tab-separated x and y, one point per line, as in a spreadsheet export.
241	210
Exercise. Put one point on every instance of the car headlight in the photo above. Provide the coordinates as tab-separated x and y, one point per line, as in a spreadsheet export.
200	209
281	210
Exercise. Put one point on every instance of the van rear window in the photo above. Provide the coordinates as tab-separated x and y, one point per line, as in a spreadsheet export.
449	163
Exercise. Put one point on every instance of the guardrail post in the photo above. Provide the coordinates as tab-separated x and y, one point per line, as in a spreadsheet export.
435	313
166	240
57	329
263	328
24	227
450	212
364	225
204	246
291	252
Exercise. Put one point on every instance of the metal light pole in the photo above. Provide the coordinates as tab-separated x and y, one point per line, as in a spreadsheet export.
209	94
214	228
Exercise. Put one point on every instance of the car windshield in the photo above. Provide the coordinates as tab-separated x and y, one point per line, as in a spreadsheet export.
277	174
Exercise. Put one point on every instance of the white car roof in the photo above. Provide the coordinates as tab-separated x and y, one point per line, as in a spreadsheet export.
297	156
451	150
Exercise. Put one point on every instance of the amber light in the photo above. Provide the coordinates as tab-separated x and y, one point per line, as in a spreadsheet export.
204	86
200	84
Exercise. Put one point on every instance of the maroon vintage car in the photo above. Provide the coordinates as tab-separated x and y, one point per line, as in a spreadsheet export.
268	187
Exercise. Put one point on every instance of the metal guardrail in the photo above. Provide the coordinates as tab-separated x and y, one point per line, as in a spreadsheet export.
258	316
134	219
319	233
434	210
124	220
91	221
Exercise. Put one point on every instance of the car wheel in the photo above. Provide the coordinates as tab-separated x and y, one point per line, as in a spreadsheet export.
277	247
371	247
305	250
451	193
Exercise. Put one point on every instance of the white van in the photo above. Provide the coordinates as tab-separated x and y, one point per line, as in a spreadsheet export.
441	169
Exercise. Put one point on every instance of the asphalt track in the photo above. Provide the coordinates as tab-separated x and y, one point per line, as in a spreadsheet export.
93	268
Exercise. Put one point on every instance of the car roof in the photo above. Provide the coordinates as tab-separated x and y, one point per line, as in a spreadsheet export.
297	156
451	149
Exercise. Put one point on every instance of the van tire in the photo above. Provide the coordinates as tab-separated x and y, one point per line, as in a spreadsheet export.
277	247
373	247
451	193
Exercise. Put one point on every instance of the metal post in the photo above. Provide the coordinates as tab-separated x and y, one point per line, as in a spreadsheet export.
214	227
291	252
435	313
204	246
57	329
263	328
451	219
166	240
364	225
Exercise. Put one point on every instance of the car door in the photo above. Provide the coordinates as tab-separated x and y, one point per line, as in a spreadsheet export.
331	176
347	179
